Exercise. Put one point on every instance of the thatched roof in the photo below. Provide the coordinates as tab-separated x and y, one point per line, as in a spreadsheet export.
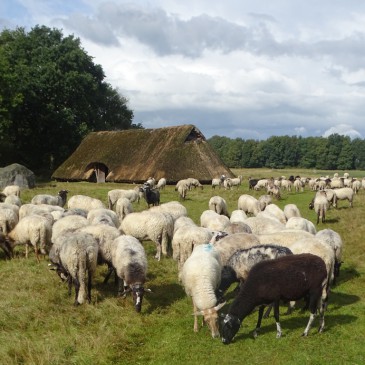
137	154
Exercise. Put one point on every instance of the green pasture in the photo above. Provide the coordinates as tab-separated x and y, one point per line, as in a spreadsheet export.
39	324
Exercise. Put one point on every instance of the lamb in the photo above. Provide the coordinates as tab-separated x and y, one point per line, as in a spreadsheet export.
8	220
130	263
11	190
123	207
320	204
151	196
301	223
84	202
32	230
161	184
218	205
103	216
249	204
201	275
59	199
241	262
115	194
185	239
214	221
74	257
289	277
291	210
333	239
147	225
343	194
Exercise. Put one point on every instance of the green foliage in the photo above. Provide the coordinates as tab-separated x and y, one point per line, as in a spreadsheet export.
51	95
334	152
39	324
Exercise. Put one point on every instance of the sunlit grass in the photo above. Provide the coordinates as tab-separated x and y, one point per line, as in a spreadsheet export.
40	325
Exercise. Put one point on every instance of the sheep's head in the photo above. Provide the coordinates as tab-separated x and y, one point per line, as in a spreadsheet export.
210	316
229	326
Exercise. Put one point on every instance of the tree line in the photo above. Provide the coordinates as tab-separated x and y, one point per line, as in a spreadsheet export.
335	152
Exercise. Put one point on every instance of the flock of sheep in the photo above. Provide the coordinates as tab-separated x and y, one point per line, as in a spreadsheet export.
273	254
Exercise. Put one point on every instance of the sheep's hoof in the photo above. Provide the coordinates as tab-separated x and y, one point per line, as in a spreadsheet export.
305	334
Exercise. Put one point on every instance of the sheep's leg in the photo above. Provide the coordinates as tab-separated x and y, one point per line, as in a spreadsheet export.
109	272
26	250
196	328
69	282
36	253
158	251
311	319
89	280
276	315
77	289
259	319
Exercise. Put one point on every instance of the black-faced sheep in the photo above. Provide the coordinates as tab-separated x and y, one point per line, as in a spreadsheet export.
201	275
151	196
59	199
286	278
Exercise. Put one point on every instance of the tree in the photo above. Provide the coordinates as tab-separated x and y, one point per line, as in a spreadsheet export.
51	96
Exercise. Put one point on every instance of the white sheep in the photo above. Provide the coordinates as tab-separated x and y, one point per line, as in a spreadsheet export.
161	184
194	183
264	201
11	190
32	230
218	205
59	199
236	181
261	184
320	204
84	202
148	225
103	216
275	212
213	221
264	224
182	221
182	188
130	263
174	208
238	215
216	182
29	209
185	239
227	183
13	199
356	186
123	207
67	223
8	220
291	210
283	238
249	204
74	256
343	194
200	276
301	223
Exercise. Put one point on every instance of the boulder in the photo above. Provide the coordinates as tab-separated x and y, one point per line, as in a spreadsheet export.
16	174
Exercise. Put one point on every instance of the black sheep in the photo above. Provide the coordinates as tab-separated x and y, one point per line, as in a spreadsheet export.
152	196
286	278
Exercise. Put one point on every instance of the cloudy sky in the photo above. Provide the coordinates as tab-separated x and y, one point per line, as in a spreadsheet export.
232	68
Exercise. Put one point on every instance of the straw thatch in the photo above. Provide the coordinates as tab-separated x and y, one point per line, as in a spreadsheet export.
135	155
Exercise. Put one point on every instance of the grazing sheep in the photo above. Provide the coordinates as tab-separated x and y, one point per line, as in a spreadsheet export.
13	199
183	221
185	239
151	196
291	210
264	201
227	183
227	245
13	207
249	204
194	183
237	227
333	239
115	194
161	184
283	238
174	208
264	224
182	189
343	194
59	199
29	209
103	216
261	184
320	204
301	223
11	190
32	230
241	262
74	257
356	186
238	216
123	207
236	181
214	221
200	276
148	225
67	223
130	263
273	190
218	205
84	202
288	277
218	182
276	213
8	220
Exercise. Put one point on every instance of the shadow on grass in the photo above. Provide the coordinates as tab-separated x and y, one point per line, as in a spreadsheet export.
346	274
338	300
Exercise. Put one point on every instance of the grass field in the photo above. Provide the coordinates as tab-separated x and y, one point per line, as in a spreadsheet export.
39	324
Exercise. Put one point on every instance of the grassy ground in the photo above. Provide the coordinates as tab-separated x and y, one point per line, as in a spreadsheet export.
39	324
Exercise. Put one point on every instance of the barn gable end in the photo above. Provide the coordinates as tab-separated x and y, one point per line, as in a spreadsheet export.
134	155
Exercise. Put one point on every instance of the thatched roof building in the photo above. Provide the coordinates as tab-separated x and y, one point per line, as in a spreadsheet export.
135	155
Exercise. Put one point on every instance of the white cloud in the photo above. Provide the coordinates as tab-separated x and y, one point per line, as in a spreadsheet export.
344	130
